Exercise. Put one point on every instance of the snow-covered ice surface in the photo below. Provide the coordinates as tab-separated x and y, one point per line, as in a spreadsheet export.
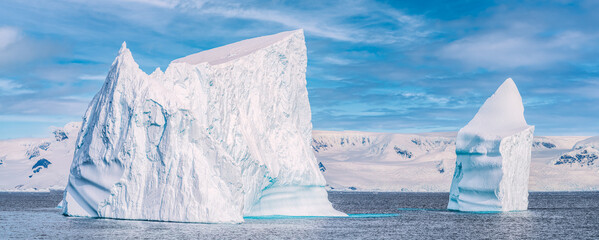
219	135
493	156
40	164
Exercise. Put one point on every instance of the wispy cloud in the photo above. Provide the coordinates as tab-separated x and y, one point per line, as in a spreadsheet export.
386	65
36	118
10	87
337	60
328	21
16	48
92	77
509	49
157	3
8	36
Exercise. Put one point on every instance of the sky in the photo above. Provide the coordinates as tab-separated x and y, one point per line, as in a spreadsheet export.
384	66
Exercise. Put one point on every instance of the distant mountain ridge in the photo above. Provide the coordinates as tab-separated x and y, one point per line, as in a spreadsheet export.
425	162
349	160
38	164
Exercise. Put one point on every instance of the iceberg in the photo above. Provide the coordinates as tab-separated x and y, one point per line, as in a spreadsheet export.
221	134
493	156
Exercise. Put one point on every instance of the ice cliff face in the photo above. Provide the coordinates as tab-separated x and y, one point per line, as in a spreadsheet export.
493	156
221	134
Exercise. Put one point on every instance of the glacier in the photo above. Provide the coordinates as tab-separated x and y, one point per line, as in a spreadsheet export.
219	135
493	156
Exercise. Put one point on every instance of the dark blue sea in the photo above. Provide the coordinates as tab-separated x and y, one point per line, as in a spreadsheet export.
572	215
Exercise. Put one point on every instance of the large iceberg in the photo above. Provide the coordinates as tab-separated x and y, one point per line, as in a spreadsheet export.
493	156
221	134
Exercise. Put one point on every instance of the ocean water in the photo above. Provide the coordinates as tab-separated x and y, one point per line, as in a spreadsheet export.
373	216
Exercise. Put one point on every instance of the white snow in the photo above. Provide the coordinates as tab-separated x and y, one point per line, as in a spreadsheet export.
542	143
350	165
501	115
584	155
219	135
493	156
385	162
354	166
592	142
38	164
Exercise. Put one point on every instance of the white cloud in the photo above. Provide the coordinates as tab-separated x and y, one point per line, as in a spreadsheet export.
518	45
16	48
8	36
92	77
9	87
428	97
337	60
157	3
312	25
333	21
37	118
332	78
169	3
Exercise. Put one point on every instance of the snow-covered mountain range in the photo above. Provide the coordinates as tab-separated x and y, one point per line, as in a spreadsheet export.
32	164
349	160
425	162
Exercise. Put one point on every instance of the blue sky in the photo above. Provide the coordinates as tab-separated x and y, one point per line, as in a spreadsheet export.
392	66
